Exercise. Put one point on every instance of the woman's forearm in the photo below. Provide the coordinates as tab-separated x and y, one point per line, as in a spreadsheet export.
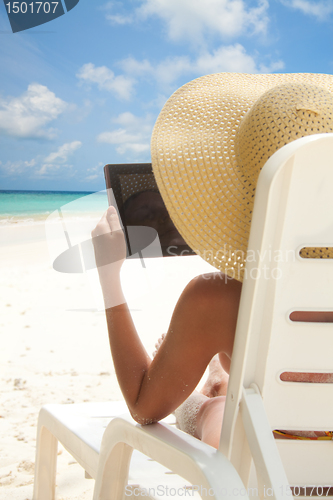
130	358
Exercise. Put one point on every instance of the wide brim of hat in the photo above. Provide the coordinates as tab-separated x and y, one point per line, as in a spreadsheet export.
194	163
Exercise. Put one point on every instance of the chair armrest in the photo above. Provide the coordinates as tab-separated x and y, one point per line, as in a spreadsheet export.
197	462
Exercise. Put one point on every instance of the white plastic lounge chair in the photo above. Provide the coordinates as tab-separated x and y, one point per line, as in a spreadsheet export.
293	210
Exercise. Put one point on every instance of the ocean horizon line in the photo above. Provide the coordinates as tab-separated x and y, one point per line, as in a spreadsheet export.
46	191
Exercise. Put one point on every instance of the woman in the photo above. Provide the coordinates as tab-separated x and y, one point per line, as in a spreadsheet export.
209	144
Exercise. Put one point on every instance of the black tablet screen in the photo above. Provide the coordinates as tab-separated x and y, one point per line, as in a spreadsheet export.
140	204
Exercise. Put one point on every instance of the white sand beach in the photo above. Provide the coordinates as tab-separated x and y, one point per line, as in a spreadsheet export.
54	347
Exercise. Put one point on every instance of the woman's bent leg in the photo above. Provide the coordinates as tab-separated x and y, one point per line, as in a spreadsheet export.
209	420
202	417
187	413
202	413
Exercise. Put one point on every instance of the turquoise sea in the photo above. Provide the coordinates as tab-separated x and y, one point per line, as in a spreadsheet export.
34	207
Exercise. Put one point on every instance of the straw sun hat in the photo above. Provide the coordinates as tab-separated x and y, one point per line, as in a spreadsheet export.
212	138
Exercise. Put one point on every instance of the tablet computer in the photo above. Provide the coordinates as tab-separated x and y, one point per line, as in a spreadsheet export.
133	189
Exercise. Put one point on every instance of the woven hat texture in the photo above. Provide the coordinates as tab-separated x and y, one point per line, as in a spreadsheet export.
136	183
212	138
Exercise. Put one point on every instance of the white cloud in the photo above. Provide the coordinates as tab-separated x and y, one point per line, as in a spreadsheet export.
320	10
119	19
59	158
166	72
195	20
234	59
133	134
61	155
105	79
53	164
95	172
230	58
134	67
29	114
16	167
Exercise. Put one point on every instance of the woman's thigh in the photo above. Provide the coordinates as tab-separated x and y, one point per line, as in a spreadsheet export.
209	420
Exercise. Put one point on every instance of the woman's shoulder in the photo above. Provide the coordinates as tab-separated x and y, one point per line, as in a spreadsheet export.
211	303
213	288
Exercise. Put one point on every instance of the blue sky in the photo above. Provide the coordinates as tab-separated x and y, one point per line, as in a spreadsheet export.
85	89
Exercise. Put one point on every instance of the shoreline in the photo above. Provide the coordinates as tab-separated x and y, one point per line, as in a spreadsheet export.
20	208
32	220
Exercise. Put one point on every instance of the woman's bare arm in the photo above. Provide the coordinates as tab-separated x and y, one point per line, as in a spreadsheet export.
202	324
